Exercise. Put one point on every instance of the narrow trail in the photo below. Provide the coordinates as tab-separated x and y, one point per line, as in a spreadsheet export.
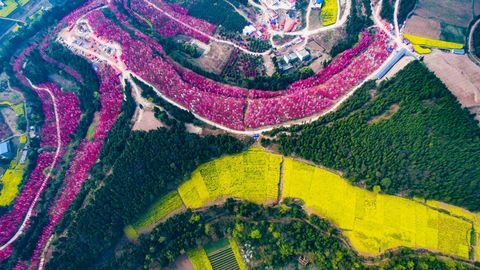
280	181
471	48
395	18
205	34
27	217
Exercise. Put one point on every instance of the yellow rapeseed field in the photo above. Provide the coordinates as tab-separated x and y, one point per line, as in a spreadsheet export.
166	205
421	50
198	258
252	175
434	43
329	12
236	252
375	222
372	222
11	180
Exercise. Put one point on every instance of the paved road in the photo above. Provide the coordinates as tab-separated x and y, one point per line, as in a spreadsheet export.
471	48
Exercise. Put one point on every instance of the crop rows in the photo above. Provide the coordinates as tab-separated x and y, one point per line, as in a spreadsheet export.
372	222
375	222
420	42
252	176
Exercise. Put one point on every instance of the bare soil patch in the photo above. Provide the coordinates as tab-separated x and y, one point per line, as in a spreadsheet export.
445	20
328	39
182	263
10	119
315	21
215	59
423	27
460	75
385	116
147	121
456	12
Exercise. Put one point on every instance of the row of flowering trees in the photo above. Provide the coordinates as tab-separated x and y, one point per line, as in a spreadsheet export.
85	156
68	113
53	148
168	27
236	107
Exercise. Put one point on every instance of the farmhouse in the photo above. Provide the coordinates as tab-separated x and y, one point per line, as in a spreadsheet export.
6	150
290	57
248	30
317	3
302	54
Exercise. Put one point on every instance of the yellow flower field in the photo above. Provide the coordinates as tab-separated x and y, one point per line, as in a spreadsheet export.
17	108
372	222
166	205
198	258
329	12
236	252
421	50
428	42
252	175
375	222
11	180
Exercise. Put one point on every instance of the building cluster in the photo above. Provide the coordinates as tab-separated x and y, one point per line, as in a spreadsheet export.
279	4
292	58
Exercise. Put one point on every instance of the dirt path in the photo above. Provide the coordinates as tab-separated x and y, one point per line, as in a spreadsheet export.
205	34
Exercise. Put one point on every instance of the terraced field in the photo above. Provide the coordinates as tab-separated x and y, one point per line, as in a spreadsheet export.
219	255
375	222
372	222
252	175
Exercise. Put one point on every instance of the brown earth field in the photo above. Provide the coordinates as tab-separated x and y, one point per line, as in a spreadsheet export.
455	12
445	19
420	26
215	59
460	75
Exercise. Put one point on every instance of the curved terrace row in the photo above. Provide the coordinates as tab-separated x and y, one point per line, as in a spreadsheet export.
234	107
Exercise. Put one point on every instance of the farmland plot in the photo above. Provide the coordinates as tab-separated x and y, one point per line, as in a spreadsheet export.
252	176
375	222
